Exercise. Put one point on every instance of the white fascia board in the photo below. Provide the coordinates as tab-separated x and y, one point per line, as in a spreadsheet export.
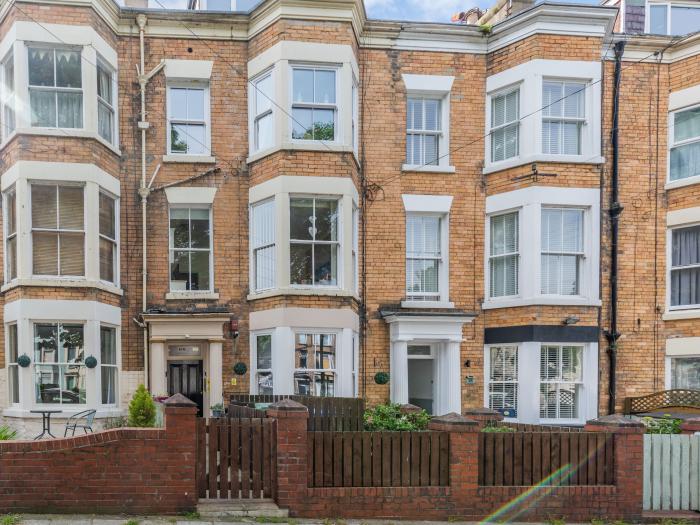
680	346
546	195
580	69
438	84
303	52
310	318
188	69
685	216
60	172
684	98
427	203
62	310
190	195
303	185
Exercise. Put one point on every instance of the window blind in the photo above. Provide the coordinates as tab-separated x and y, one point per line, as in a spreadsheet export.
562	250
263	243
503	260
423	256
685	266
560	381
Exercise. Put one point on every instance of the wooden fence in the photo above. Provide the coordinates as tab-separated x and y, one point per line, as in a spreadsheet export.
243	411
236	458
528	458
671	472
378	459
325	413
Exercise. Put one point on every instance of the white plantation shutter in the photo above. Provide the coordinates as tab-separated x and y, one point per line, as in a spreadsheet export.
423	256
561	375
563	114
503	260
562	250
263	243
503	380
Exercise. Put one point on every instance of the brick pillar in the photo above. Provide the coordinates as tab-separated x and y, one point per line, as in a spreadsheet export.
629	461
292	484
180	415
483	416
690	425
464	453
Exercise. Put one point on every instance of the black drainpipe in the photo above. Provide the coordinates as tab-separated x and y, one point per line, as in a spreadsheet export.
612	334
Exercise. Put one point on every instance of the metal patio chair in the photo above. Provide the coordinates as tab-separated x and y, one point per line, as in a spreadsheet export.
82	420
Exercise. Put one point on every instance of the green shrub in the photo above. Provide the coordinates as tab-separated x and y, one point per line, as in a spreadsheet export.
142	409
10	519
389	417
497	429
6	433
663	425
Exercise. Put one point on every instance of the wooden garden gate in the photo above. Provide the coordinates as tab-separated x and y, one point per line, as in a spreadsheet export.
236	458
671	472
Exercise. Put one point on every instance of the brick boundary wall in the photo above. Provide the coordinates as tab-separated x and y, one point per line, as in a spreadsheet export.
126	470
464	498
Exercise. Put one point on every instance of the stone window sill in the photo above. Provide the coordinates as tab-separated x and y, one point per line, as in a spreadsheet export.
191	296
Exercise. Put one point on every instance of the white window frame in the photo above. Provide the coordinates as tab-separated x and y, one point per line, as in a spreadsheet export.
257	116
339	243
114	241
59	230
579	121
254	248
255	387
442	294
530	201
355	249
423	132
529	77
116	365
112	108
172	249
488	381
669	6
580	255
670	268
7	97
338	345
12	365
7	235
337	123
355	120
516	253
513	123
559	381
672	144
206	122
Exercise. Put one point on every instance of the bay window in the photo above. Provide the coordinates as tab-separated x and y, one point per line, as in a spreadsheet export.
7	96
105	102
685	267
503	255
562	250
314	364
59	368
12	366
685	144
423	131
503	380
108	365
424	257
263	245
263	124
190	249
561	377
55	87
505	125
314	241
10	235
263	361
188	119
685	372
563	116
58	229
108	238
673	19
314	106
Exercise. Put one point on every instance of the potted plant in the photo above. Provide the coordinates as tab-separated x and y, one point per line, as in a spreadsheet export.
217	410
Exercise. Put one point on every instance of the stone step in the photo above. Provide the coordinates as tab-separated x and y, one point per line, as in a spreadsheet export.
254	508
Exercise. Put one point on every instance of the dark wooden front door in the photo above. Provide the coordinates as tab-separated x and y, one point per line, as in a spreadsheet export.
186	378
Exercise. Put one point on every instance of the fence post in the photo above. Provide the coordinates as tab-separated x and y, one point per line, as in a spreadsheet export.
464	451
483	416
292	461
629	461
180	416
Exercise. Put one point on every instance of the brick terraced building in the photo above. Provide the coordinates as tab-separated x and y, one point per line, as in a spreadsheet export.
294	198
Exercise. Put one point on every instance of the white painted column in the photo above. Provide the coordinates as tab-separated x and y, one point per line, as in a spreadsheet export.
283	361
399	372
159	365
215	373
529	382
452	401
344	357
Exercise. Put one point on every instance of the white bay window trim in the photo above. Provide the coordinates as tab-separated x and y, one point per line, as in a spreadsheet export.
20	177
676	221
660	17
529	78
92	48
530	202
528	390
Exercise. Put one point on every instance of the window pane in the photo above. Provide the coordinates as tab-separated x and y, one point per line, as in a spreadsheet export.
107	249
301	219
324	124
43	108
195	104
431	150
200	236
68	69
178	103
498	111
685	287
504	233
200	271
12	343
13	378
512	139
263	95
108	346
685	372
326	264
552	99
302	124
685	251
657	20
264	132
265	383
194	136
686	124
107	216
70	110
179	271
48	380
303	85
45	253
415	113
108	376
12	258
503	276
574	99
570	138
498	145
41	68
104	121
685	161
684	20
326	220
72	253
324	87
46	343
300	271
685	246
512	112
422	277
551	132
314	384
73	384
264	352
179	228
70	205
104	84
265	268
11	212
422	236
432	115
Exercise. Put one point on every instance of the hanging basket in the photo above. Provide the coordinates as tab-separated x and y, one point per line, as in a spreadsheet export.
240	368
24	361
381	378
90	361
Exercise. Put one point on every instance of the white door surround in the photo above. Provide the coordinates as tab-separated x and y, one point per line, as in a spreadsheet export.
206	330
444	333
